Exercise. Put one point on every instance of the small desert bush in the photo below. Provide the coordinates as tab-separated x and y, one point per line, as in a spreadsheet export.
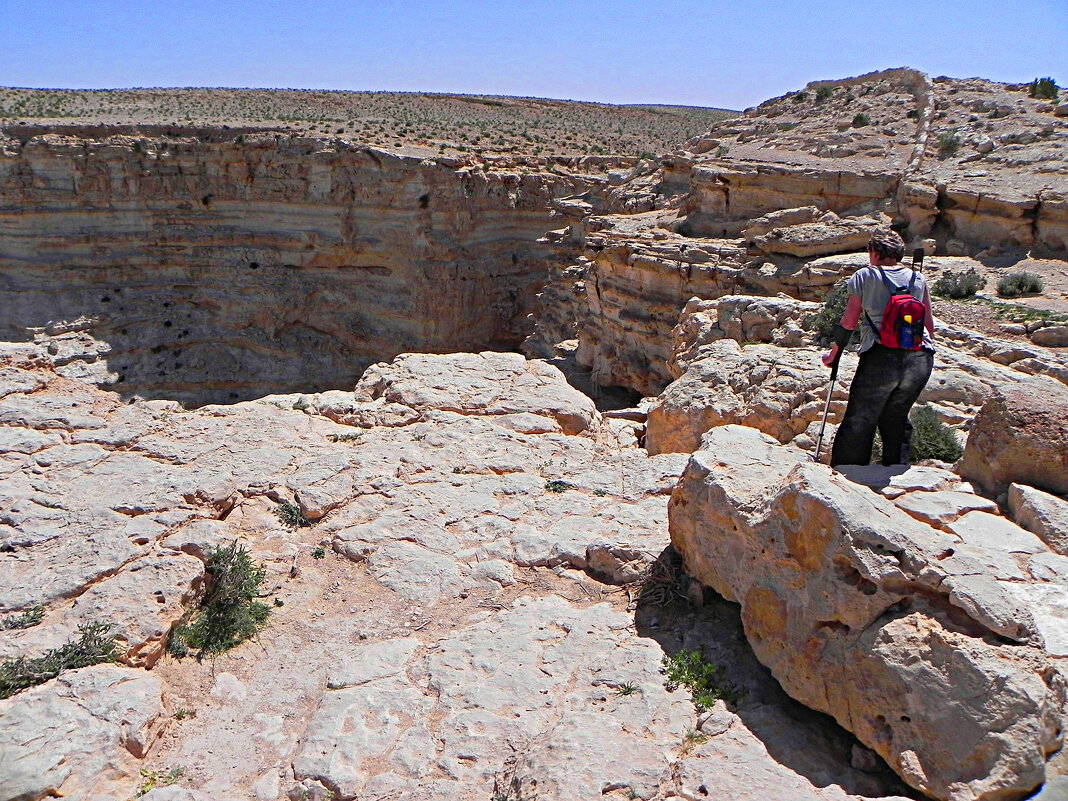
1043	89
823	92
290	515
704	679
229	613
860	120
931	438
25	620
948	143
93	646
958	285
1015	284
824	321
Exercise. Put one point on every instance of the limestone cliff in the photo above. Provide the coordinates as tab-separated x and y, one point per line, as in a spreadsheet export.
210	267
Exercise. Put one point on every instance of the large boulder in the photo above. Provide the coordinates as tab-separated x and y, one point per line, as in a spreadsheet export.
916	640
777	390
481	384
1020	435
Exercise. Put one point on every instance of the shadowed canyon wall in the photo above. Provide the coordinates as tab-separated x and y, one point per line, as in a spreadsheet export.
212	271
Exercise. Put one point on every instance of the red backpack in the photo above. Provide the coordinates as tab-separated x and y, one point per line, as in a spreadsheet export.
903	317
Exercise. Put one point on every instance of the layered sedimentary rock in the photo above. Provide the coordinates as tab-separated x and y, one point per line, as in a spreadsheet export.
916	639
210	269
783	198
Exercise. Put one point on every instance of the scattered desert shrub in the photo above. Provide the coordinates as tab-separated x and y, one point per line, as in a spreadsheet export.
860	120
93	646
290	515
958	285
824	321
1043	89
705	680
948	143
1015	284
823	92
25	620
931	438
229	613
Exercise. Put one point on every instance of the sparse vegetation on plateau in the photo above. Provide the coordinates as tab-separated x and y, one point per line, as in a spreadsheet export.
1015	284
290	515
25	620
860	120
958	285
93	646
948	143
1043	89
229	613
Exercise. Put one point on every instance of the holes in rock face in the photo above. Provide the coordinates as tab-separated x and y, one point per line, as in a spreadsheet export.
206	200
836	626
167	323
424	201
105	299
851	576
254	265
906	719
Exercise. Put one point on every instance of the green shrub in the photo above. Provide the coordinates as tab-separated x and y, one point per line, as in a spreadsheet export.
1043	89
800	97
931	438
93	646
823	92
557	486
860	120
958	285
948	143
824	321
28	619
290	515
1015	284
703	679
229	613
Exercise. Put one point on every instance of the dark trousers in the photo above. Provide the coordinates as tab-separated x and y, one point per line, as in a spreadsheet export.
886	384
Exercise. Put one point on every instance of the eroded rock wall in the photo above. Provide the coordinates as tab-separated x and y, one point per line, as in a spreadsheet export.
210	271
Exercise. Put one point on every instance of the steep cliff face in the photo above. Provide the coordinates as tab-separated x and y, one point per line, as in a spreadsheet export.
210	271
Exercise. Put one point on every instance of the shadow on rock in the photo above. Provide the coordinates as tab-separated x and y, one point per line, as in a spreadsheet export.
684	617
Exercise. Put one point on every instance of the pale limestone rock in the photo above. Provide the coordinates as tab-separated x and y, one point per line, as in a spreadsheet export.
482	384
819	238
776	390
780	219
1051	336
896	480
1041	513
812	558
1020	436
942	508
80	735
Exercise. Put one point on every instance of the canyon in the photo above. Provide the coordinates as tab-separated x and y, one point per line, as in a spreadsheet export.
490	570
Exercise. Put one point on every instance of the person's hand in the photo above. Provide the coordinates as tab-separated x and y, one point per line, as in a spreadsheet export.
831	356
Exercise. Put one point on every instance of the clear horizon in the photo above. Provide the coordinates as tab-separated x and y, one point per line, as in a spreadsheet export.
718	54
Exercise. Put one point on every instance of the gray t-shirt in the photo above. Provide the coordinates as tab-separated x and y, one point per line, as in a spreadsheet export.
869	286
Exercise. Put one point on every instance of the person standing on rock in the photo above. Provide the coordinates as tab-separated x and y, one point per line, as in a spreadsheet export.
889	379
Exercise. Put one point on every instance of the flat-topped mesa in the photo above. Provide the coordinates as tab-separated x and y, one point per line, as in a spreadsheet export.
213	268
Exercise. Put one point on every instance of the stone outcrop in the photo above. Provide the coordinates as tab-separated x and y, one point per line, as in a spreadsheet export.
1042	514
211	270
80	736
1020	436
914	639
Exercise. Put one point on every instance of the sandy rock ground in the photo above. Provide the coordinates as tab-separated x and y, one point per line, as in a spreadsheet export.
470	622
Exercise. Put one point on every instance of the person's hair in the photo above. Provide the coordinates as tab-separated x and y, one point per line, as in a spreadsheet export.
887	245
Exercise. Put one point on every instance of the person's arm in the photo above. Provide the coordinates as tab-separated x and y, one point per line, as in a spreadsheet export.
844	330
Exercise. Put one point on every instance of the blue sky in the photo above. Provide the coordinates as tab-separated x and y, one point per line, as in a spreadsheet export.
729	54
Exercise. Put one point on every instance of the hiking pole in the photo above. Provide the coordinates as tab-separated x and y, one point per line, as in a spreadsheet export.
827	405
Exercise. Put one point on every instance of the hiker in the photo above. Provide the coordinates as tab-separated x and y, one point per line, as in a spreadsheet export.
894	364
